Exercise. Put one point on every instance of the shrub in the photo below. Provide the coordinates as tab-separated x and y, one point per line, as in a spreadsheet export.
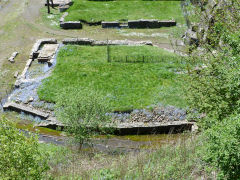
214	87
20	156
221	147
84	113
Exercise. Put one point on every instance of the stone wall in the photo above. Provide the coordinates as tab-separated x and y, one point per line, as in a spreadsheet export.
87	41
33	55
57	3
144	23
69	24
139	24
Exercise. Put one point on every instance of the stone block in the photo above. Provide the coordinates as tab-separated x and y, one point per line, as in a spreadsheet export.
112	24
167	23
11	59
71	25
63	8
34	52
134	24
79	41
26	109
151	23
16	74
100	43
60	2
47	52
63	17
29	62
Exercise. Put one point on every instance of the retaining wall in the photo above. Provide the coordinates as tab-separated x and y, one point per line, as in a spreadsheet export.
86	41
143	23
69	24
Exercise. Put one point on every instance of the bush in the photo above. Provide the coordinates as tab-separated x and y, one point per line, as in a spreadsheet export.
84	113
20	156
214	84
221	147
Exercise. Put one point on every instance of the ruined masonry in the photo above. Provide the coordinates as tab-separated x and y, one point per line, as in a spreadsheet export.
44	50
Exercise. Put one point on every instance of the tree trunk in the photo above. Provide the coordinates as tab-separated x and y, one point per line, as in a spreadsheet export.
52	3
48	6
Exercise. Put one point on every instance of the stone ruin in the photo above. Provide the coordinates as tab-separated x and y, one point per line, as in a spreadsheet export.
45	49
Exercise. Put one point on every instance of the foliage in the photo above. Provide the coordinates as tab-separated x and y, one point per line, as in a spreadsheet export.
126	85
20	156
92	11
221	147
214	85
83	112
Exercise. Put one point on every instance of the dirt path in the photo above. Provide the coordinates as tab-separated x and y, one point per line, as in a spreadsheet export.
20	27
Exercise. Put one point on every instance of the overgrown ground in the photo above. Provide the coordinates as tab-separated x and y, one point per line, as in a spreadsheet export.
179	161
127	85
94	11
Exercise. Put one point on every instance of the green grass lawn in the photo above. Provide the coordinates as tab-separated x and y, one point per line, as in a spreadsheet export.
126	85
94	11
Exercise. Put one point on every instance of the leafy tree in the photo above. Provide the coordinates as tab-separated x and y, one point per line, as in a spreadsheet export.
84	113
214	87
20	156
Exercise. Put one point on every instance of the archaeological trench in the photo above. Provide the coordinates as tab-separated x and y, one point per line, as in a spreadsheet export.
42	60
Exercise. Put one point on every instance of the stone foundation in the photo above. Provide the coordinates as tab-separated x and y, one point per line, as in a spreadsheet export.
139	125
144	23
69	24
47	52
57	3
113	24
26	109
86	41
11	59
34	52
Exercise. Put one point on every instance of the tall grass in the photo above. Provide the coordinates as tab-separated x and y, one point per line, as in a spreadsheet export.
179	161
126	85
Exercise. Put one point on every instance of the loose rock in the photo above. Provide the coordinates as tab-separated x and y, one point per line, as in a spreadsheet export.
11	59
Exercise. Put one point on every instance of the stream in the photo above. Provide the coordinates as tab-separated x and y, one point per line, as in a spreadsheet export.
103	143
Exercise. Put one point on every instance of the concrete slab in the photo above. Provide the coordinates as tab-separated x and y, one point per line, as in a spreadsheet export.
47	52
26	109
34	52
154	128
136	128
